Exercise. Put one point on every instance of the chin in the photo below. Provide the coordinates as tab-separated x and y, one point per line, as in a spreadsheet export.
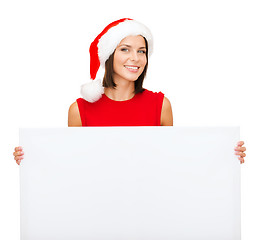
129	78
132	77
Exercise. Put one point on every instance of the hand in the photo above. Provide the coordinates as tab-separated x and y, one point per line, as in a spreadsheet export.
18	154
239	150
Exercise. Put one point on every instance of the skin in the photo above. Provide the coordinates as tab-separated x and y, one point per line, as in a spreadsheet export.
129	52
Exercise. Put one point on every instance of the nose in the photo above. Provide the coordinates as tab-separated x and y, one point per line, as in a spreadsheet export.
134	56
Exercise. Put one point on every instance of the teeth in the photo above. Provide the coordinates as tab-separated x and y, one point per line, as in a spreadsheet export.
131	67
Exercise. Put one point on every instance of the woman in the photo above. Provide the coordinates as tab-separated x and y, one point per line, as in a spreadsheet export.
123	48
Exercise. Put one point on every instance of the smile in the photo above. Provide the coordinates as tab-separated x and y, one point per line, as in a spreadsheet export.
132	68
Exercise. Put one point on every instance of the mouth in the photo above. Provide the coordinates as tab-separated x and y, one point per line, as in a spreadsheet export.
132	68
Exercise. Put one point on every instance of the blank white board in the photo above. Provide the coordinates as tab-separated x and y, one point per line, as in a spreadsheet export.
130	183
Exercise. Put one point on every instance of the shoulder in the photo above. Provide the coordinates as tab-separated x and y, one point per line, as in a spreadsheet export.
166	103
74	108
146	91
74	119
166	115
156	96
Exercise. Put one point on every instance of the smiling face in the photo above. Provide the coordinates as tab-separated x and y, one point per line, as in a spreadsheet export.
129	59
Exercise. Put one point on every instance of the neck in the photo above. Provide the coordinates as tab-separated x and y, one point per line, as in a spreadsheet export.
124	91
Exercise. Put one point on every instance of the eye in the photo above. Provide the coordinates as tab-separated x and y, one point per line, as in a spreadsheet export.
124	49
142	51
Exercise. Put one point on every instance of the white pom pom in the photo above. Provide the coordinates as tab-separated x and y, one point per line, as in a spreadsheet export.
92	90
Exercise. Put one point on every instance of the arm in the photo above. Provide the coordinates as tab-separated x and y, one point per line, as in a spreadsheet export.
74	119
166	115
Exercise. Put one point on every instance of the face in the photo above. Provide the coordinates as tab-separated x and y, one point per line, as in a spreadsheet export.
129	59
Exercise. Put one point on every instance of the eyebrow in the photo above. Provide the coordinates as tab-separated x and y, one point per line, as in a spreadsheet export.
130	46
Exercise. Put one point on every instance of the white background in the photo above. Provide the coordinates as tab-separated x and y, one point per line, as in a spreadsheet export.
206	61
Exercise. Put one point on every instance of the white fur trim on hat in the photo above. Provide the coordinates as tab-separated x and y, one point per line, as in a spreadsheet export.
108	43
92	90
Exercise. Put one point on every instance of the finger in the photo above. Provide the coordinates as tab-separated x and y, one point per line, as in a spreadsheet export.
19	153
16	153
18	162
240	154
240	143
18	149
18	158
240	149
241	160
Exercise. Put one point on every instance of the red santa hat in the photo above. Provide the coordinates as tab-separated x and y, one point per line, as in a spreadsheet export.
104	45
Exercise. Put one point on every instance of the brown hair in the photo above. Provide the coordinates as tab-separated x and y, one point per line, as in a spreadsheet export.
108	76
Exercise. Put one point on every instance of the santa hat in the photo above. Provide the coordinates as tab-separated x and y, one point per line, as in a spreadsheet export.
104	45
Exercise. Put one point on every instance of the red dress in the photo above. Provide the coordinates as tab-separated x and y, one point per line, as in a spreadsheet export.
144	109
